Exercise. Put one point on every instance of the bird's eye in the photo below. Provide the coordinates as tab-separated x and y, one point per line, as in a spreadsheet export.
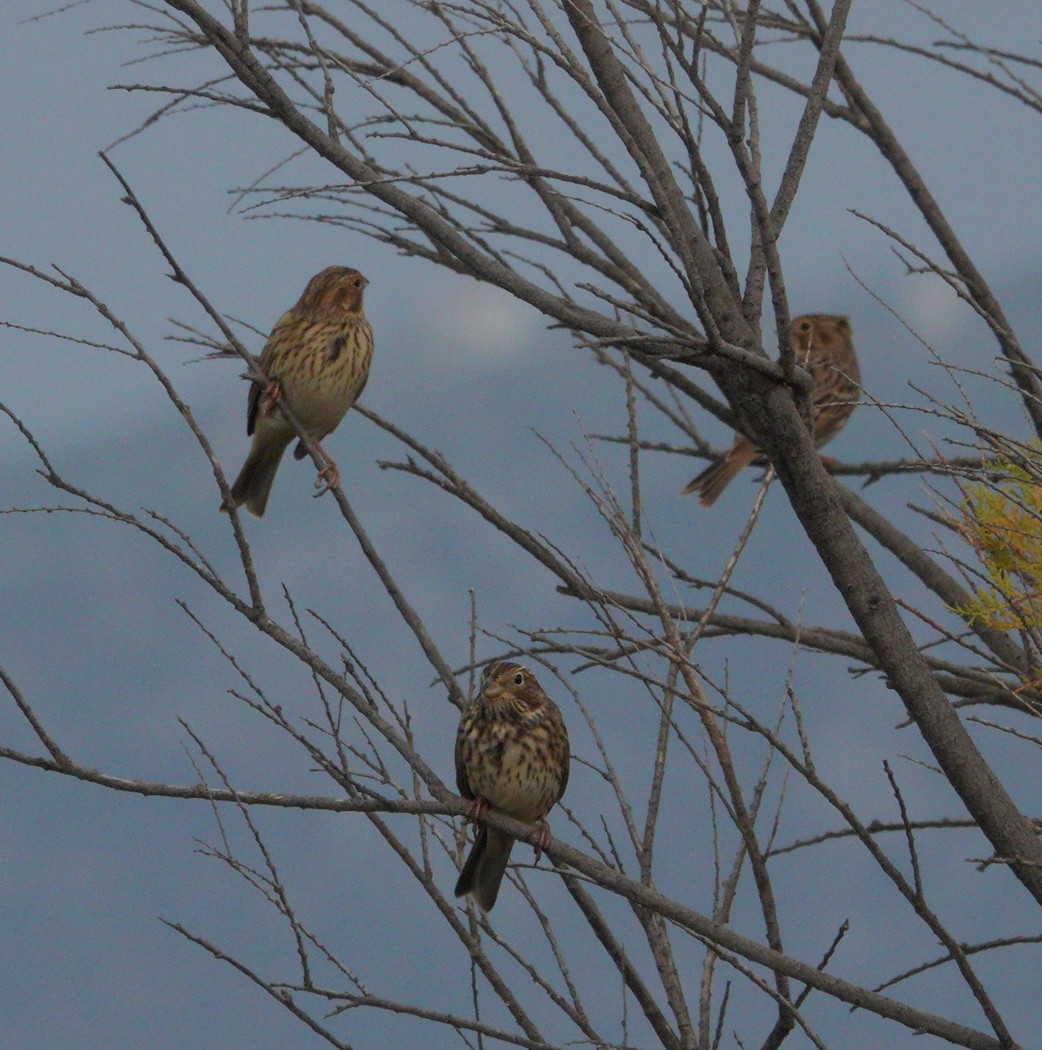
519	678
804	326
358	282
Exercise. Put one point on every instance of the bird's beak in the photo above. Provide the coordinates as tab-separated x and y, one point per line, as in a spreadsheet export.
492	690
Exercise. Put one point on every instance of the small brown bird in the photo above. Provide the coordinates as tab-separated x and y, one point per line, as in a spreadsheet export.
512	755
823	345
317	361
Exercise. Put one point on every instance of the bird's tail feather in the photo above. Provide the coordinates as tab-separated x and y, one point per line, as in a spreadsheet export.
253	485
719	474
484	868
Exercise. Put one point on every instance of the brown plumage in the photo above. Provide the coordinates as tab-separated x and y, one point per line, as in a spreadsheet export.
512	755
823	346
317	361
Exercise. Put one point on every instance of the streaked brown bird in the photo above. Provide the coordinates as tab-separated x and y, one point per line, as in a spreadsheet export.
823	346
317	363
512	755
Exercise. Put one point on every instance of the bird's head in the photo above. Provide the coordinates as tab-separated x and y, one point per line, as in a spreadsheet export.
332	293
820	330
511	684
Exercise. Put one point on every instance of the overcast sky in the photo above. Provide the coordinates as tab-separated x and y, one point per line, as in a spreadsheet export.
89	628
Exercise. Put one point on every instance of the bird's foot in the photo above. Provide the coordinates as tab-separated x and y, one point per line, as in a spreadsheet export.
271	395
543	840
328	478
478	808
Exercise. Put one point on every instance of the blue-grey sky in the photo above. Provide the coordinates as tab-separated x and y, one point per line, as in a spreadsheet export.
90	631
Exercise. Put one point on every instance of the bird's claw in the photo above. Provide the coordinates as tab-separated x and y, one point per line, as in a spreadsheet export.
271	395
478	808
328	478
476	811
543	839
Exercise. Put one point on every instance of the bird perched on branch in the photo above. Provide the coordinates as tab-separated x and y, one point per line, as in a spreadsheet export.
823	345
317	362
512	756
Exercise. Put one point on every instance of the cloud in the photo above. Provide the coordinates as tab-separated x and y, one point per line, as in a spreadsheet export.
932	309
468	320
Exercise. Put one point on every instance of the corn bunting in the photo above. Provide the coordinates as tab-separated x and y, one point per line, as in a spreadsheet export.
512	755
317	361
822	345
